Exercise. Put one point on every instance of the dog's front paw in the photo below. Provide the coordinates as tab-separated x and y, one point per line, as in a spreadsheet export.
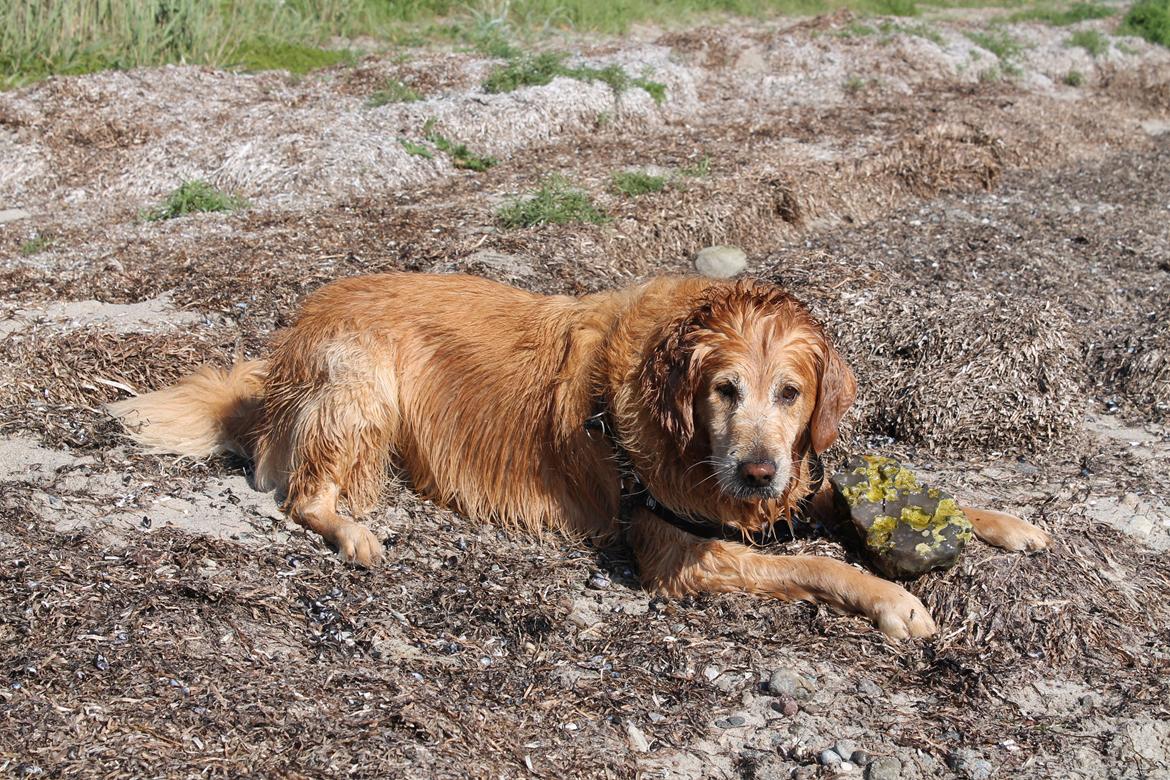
1008	532
356	543
898	613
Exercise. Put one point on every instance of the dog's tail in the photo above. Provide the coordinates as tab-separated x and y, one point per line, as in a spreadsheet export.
209	412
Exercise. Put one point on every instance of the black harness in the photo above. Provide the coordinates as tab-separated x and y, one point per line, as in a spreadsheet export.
635	495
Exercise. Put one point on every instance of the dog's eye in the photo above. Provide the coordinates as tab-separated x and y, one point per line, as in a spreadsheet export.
789	394
727	392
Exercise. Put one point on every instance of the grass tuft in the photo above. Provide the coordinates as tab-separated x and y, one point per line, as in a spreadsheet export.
998	42
555	203
393	91
538	70
1091	41
1074	78
418	150
268	53
1063	16
461	156
36	245
698	170
193	196
635	183
1149	19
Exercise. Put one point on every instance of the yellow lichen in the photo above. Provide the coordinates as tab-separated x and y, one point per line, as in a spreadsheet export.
878	536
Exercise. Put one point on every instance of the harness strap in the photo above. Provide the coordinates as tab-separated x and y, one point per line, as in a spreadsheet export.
635	495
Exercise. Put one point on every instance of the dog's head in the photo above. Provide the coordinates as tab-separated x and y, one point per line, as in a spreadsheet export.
748	381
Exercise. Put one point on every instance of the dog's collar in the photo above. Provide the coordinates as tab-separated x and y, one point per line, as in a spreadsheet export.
635	495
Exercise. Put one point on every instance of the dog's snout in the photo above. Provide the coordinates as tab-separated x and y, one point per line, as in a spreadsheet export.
757	473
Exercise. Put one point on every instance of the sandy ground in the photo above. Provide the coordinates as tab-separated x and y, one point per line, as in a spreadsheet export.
992	256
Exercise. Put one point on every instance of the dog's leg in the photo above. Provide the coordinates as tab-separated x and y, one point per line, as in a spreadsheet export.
317	511
674	562
340	445
1006	531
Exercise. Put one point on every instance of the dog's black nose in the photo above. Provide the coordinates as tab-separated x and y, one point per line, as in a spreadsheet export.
757	473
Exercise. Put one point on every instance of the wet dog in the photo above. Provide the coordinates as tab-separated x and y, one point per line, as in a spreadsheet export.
713	398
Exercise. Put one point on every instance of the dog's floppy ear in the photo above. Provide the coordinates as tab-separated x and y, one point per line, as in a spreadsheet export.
835	393
671	378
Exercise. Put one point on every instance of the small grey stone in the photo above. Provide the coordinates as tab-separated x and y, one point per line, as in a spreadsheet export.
885	768
583	614
845	748
860	757
656	717
870	688
733	722
637	739
829	757
12	215
720	262
598	581
785	682
969	764
727	682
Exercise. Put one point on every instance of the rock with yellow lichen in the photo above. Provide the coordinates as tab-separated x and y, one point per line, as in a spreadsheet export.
905	528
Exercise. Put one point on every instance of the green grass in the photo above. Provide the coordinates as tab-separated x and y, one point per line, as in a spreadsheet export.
699	169
1149	19
393	91
418	150
635	183
998	42
47	37
193	196
1063	15
1074	78
39	243
923	31
268	53
1091	41
461	156
528	70
854	85
39	38
555	203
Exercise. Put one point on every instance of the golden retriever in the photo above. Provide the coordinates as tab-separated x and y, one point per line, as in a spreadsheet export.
716	396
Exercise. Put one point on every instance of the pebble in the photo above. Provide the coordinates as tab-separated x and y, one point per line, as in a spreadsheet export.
970	764
860	757
720	262
583	614
786	706
785	682
885	768
829	757
12	215
845	748
598	581
638	741
732	722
